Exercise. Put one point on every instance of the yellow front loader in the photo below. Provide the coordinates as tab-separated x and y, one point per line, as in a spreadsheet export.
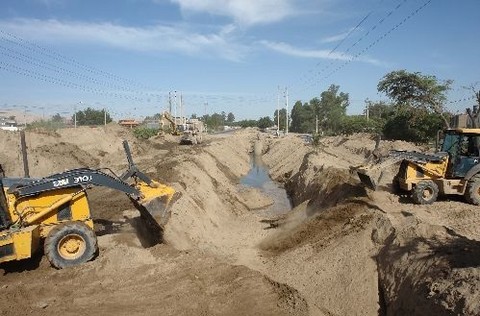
454	170
54	212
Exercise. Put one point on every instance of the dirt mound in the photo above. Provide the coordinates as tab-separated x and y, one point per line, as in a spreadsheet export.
126	280
422	267
427	269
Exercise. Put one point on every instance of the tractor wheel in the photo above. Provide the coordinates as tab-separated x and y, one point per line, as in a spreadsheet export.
425	192
472	194
70	244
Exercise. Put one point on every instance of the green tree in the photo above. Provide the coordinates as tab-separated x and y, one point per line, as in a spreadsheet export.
416	91
417	125
154	117
303	118
215	121
265	122
230	118
246	123
360	124
379	110
91	116
331	108
57	118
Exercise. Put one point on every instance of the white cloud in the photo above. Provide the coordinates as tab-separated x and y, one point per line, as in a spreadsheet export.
147	39
244	12
288	49
337	37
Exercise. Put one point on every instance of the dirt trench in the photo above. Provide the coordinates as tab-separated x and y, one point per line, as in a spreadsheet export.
414	260
340	251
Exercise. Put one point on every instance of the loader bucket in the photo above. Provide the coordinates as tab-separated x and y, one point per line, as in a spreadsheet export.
154	211
367	179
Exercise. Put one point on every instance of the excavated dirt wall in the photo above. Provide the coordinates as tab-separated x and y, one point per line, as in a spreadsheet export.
341	250
416	260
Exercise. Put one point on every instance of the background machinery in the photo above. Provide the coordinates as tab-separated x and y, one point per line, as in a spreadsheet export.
55	210
454	170
193	132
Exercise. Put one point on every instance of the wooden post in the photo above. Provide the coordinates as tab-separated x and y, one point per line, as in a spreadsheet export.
23	145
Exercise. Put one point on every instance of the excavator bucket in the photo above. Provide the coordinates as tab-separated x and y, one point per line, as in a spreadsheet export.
154	210
369	178
153	203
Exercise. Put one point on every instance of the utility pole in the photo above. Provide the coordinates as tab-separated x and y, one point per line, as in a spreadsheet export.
181	109
25	116
75	114
170	102
286	114
316	124
278	110
104	116
175	106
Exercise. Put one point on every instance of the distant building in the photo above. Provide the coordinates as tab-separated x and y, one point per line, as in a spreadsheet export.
128	123
463	121
8	124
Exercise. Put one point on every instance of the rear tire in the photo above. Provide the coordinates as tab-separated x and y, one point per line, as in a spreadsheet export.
70	244
472	194
425	192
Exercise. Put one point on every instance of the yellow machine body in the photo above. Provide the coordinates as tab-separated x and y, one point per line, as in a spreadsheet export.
54	212
411	173
18	242
455	169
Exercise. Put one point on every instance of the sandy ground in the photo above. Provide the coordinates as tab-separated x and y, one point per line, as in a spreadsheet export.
340	251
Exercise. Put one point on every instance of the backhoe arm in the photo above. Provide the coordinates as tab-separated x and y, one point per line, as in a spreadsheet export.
73	178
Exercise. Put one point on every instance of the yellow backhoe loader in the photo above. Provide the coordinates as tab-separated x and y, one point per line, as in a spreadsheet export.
454	170
55	211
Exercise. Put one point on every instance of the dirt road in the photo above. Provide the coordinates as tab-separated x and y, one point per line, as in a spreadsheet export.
340	251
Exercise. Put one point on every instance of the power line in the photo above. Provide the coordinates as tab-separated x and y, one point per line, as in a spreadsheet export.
375	42
359	40
33	47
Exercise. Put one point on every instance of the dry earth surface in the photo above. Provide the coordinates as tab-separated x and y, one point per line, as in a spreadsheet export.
340	251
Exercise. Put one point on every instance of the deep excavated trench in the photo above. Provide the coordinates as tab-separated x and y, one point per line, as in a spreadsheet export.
321	253
332	254
258	177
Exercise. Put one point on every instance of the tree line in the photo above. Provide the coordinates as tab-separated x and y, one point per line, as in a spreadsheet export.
415	111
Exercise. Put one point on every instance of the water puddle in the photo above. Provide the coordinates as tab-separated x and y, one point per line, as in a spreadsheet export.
259	178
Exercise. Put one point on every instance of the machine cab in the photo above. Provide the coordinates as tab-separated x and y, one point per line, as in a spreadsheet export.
462	146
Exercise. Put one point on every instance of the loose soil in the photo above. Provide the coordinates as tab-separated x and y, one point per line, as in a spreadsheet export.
341	250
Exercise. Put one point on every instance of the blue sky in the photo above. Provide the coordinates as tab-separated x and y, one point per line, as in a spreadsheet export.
227	55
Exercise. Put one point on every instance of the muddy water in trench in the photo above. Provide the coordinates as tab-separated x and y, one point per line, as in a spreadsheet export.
258	177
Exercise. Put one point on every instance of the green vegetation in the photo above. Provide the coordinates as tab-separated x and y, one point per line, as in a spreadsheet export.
415	111
53	124
91	116
415	93
142	132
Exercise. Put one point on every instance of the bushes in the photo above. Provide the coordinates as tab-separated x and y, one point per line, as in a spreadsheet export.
145	132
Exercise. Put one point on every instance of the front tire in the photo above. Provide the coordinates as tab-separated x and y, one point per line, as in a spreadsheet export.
425	192
70	244
472	194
